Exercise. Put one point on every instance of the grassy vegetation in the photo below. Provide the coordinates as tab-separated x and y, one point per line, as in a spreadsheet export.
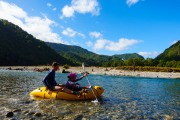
149	68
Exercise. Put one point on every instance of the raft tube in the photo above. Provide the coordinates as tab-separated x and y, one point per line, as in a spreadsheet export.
43	92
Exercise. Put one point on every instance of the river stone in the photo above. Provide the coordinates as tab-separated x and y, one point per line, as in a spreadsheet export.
167	117
29	119
55	117
37	114
10	114
84	119
44	118
25	112
79	117
16	110
28	101
30	113
13	119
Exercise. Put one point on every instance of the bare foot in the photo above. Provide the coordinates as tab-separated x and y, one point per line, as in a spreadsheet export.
50	92
89	86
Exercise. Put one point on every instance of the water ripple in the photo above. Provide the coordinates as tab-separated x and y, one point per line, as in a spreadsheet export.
124	98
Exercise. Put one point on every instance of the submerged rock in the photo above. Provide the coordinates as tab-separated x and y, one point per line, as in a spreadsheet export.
168	117
17	110
79	117
10	114
37	114
31	113
64	71
56	117
25	112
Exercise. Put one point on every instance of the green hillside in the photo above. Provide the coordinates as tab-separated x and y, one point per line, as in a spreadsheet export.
128	56
171	53
20	48
170	57
17	47
78	55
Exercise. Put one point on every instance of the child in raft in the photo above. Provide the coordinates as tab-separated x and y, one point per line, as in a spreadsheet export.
72	85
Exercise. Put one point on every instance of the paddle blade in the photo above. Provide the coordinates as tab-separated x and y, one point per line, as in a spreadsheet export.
95	101
83	66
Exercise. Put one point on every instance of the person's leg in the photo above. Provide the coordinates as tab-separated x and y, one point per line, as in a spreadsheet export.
50	92
64	89
86	87
61	88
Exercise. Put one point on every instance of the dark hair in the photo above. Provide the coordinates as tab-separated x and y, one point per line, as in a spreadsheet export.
54	64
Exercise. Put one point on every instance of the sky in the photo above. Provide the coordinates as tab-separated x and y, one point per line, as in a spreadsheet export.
107	27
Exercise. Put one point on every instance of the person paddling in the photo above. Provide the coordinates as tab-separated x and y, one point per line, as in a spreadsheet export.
71	83
51	84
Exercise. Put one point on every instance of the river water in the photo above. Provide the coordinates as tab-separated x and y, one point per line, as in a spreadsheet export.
123	98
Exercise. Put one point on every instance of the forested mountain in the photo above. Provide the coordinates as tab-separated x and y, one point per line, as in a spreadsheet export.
20	48
17	47
171	53
128	56
78	55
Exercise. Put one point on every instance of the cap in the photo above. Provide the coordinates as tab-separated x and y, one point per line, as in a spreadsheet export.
72	75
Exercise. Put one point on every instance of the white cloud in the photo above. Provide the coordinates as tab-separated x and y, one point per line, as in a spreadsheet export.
40	27
81	6
95	34
100	44
122	44
149	54
67	12
72	33
86	6
81	35
69	32
54	9
49	4
131	2
89	44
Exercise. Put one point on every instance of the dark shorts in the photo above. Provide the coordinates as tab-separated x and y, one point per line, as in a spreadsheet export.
51	88
74	88
77	89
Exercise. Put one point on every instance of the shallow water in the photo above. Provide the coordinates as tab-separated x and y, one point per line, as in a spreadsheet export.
123	98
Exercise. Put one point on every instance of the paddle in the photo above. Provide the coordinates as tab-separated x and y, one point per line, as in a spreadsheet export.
96	100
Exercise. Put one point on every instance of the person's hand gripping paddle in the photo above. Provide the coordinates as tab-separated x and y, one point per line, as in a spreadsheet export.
96	100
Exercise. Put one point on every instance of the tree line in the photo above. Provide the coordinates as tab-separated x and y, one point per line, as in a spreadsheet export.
142	62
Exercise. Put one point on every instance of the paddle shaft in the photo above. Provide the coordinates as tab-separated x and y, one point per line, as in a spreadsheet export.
89	83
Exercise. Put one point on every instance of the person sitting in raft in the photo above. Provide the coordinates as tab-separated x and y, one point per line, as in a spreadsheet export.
71	83
51	84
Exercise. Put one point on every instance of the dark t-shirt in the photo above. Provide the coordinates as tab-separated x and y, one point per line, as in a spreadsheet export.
49	80
72	85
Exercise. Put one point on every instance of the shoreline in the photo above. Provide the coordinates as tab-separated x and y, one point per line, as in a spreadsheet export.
98	71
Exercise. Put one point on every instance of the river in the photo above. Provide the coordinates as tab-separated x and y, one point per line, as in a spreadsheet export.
123	98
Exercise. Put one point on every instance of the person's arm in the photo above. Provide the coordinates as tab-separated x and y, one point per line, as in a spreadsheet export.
85	74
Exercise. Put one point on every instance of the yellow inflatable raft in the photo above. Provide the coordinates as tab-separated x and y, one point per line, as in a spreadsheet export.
43	92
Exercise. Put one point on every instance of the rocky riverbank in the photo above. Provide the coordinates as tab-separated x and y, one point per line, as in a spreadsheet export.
98	71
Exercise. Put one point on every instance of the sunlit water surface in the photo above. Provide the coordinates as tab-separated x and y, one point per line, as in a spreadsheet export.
123	98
